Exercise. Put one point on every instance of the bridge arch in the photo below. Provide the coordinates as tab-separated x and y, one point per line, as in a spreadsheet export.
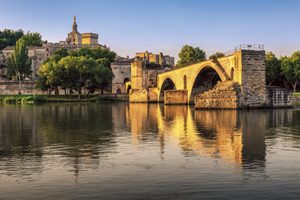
168	84
206	78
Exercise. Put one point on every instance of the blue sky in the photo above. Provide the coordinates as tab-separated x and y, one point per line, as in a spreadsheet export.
129	26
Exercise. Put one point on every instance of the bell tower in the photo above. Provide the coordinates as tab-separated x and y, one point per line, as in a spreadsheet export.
74	25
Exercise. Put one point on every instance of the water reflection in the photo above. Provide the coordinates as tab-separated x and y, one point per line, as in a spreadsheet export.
79	138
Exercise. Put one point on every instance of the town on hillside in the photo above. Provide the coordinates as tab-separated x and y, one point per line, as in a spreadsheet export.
120	66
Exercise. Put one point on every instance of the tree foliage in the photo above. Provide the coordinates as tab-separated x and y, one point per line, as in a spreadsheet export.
33	39
19	64
86	68
10	37
273	68
217	55
190	55
291	69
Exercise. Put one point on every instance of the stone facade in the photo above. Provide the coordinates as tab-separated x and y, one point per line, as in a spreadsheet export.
173	97
138	96
253	83
12	88
37	54
143	77
122	76
81	39
226	94
89	39
152	95
148	57
74	37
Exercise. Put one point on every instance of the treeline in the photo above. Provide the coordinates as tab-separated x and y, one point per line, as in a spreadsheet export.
10	37
283	71
73	71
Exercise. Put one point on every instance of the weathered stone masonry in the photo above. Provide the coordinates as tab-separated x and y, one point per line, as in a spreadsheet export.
242	84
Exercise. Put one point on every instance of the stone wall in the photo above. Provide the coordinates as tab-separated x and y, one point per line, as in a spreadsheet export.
29	87
175	97
122	74
37	54
279	97
137	75
253	79
12	88
153	95
224	95
138	96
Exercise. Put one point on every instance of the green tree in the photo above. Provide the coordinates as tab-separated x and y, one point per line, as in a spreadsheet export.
190	55
273	68
9	37
33	39
217	55
95	53
19	64
291	69
74	73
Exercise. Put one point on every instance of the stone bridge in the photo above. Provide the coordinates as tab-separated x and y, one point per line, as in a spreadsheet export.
233	81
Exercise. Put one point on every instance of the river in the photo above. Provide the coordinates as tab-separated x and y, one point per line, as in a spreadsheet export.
148	151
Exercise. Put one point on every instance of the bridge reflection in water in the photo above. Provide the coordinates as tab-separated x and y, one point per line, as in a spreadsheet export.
150	150
80	136
232	135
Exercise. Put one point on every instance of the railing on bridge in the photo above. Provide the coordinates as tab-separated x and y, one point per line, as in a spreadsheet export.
254	47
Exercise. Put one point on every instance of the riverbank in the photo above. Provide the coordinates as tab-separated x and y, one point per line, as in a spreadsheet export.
64	98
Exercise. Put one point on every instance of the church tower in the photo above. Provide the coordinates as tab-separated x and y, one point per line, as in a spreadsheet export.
74	25
74	37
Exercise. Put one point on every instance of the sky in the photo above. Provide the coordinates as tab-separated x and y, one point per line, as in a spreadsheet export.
130	26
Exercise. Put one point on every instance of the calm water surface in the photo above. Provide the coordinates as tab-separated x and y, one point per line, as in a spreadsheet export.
139	151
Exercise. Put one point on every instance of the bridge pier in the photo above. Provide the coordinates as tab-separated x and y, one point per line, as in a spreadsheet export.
176	97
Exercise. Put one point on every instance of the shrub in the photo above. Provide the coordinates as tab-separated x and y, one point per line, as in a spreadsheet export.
9	100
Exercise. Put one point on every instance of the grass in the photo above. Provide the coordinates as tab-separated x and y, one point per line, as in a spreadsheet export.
296	94
34	99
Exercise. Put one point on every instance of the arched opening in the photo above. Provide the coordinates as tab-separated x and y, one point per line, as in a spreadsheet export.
205	80
128	89
168	84
118	91
232	74
184	82
126	80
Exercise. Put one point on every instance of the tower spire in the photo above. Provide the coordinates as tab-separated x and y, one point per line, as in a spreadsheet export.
74	25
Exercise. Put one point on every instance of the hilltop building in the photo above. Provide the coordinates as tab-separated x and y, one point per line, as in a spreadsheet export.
81	39
74	40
